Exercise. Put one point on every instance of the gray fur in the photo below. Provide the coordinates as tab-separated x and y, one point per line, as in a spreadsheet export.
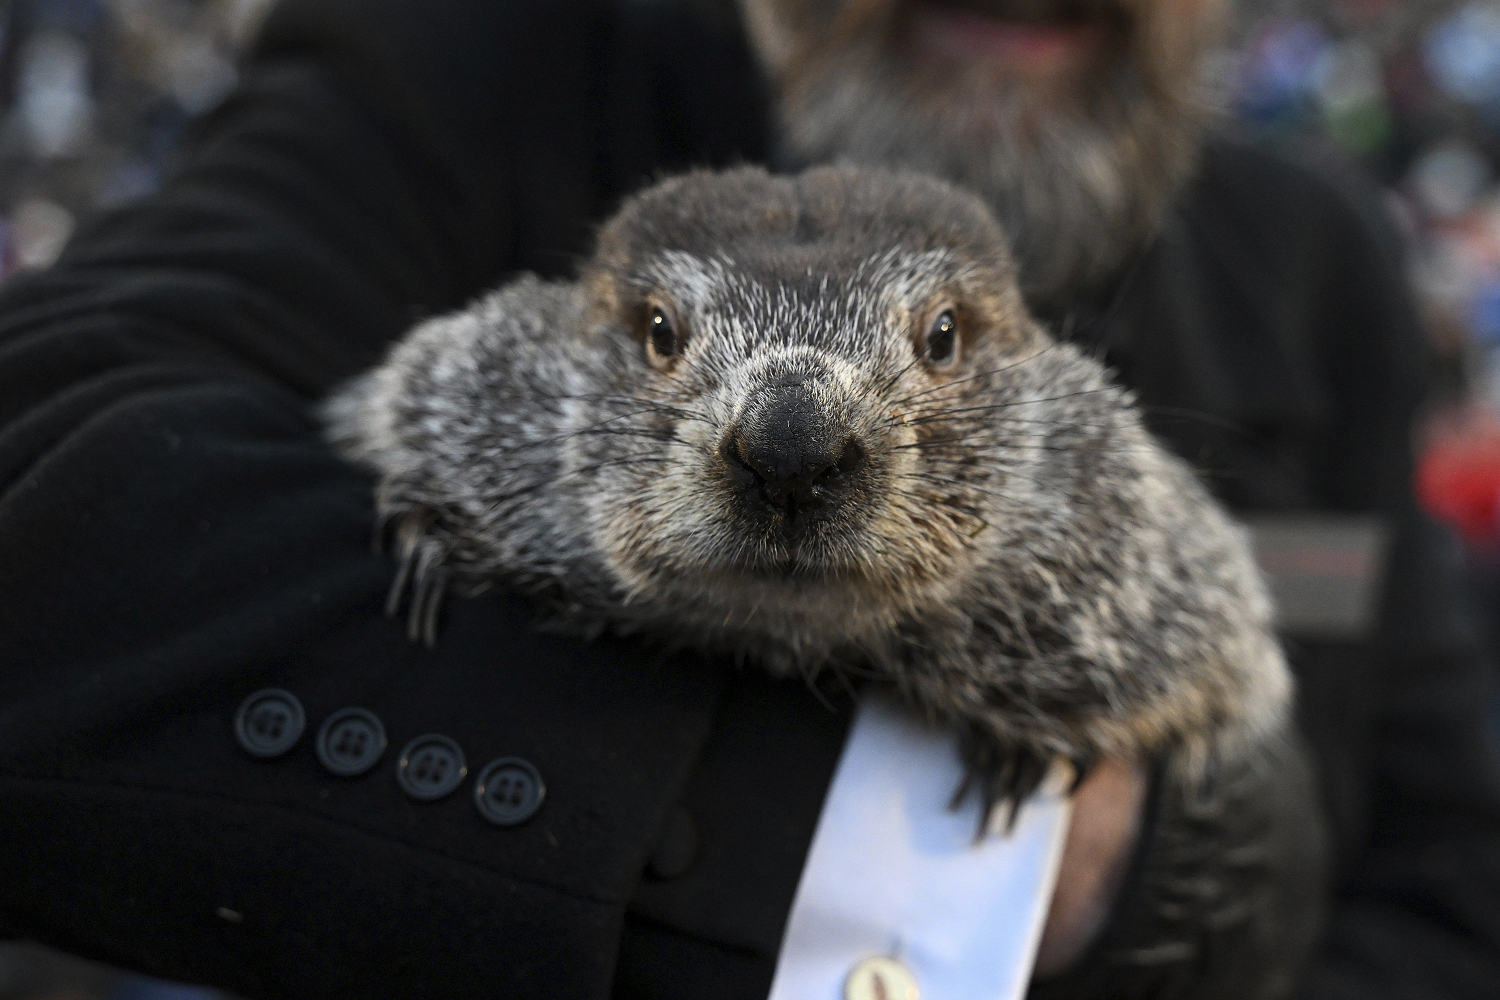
1018	558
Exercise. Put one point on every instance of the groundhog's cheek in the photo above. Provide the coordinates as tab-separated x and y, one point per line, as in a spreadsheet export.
663	525
921	541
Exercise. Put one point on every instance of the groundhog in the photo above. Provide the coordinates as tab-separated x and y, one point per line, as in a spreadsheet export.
807	422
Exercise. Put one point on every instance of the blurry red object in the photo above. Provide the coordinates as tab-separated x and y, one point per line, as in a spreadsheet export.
1458	476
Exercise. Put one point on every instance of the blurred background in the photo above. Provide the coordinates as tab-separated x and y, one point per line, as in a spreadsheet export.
94	93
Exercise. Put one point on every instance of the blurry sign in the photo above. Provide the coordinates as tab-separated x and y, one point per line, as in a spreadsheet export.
1324	571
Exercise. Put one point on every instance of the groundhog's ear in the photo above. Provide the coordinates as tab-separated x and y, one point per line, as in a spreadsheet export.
598	294
605	301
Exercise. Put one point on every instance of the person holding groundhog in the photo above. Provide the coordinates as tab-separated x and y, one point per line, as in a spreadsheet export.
221	764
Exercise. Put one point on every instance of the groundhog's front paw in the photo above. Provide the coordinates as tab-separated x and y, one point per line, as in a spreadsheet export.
421	579
1004	774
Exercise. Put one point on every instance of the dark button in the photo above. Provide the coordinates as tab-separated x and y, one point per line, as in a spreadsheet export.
350	741
677	849
269	722
430	767
509	791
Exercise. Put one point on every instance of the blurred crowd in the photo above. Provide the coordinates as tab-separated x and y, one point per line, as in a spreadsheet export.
1412	92
94	93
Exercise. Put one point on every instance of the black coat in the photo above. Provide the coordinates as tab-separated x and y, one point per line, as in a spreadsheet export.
176	536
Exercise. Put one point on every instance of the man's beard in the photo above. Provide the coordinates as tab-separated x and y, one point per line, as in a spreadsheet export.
1080	175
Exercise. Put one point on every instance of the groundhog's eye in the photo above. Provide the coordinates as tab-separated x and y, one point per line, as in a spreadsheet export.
663	339
941	349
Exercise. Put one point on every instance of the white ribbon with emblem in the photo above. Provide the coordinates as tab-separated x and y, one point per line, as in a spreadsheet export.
897	900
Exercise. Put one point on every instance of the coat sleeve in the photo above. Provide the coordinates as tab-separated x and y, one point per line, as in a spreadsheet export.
176	536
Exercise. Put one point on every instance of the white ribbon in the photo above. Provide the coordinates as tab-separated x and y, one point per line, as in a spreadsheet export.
893	871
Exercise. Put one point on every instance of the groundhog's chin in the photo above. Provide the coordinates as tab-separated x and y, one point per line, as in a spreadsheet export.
764	611
843	576
749	561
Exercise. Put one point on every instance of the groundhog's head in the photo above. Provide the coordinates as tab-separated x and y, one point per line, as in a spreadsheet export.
835	368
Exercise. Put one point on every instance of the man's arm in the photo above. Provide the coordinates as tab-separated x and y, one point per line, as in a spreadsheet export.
176	536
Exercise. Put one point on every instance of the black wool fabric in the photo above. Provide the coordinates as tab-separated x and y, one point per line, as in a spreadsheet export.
176	536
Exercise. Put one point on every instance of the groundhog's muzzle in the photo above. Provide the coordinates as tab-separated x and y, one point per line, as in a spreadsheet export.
789	455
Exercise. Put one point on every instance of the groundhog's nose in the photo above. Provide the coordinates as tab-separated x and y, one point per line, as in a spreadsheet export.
787	454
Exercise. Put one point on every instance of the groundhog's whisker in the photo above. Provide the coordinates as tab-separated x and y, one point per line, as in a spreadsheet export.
674	380
1072	449
647	405
933	416
967	487
954	383
494	507
924	501
636	432
1061	449
1005	421
921	357
993	407
939	442
654	395
1061	424
972	461
972	487
997	469
566	435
